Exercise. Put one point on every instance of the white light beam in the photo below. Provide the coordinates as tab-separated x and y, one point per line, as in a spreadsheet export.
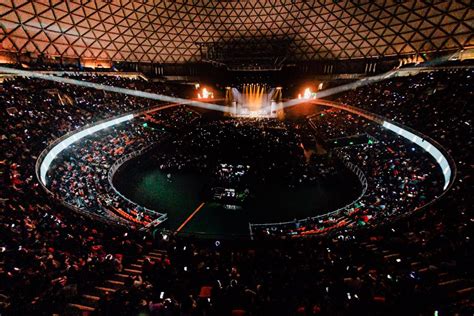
349	86
136	93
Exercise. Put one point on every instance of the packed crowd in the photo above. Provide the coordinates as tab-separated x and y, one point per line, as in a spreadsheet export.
80	174
436	103
328	124
45	247
406	269
400	176
273	150
420	264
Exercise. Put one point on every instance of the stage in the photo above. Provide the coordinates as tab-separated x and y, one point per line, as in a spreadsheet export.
254	100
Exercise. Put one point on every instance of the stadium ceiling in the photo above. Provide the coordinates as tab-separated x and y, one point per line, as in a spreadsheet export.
170	31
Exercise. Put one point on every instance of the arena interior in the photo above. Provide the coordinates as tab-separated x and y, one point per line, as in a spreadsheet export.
240	157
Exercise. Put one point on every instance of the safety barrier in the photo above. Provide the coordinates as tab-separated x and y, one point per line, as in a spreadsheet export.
442	157
113	169
363	182
47	156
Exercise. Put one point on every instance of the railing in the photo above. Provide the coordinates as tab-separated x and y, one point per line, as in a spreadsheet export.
374	117
422	140
113	169
363	182
382	121
52	144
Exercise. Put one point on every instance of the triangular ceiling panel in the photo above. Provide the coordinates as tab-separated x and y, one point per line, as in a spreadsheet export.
171	31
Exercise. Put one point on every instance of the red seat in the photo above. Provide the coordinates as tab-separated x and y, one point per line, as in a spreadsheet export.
205	292
238	312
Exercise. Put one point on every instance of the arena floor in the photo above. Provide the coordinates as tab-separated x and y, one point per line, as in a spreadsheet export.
143	182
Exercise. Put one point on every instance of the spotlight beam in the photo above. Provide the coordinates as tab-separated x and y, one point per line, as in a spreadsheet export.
135	93
335	90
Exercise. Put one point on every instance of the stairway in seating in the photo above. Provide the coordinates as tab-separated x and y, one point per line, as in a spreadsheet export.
86	303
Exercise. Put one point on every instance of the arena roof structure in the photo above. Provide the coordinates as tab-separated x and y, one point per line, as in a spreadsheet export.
174	31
